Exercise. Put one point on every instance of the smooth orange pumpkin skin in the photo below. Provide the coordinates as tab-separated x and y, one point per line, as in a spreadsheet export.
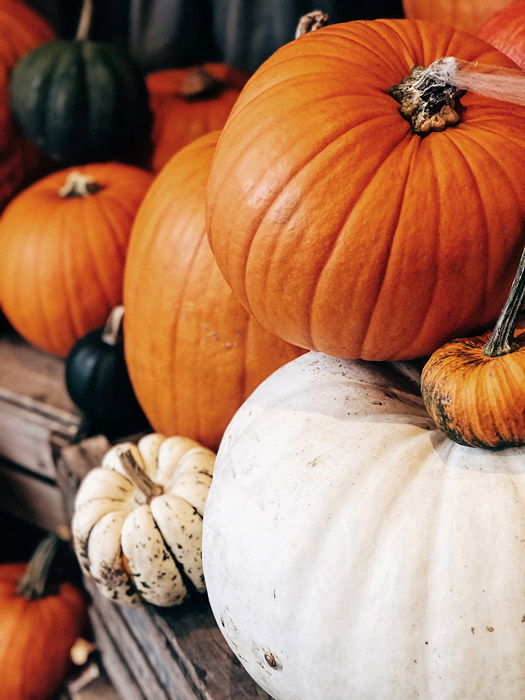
177	121
36	637
506	31
462	14
341	230
62	259
21	30
192	351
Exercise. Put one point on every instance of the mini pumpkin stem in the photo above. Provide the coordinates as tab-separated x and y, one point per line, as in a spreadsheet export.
138	476
112	332
427	101
198	84
79	185
84	23
501	342
35	582
310	22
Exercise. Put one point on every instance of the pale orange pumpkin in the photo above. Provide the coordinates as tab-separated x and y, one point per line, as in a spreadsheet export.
192	351
189	102
21	29
63	242
506	31
462	14
343	230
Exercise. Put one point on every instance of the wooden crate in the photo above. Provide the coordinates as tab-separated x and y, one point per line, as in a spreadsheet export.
37	418
153	653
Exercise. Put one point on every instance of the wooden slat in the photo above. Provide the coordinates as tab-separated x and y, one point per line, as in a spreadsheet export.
35	409
177	653
33	499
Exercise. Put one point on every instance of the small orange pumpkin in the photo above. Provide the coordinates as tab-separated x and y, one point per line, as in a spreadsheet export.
192	351
474	388
38	626
506	31
340	228
21	30
63	242
189	102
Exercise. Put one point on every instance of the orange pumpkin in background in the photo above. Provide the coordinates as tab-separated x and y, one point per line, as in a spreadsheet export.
192	351
189	102
63	242
38	626
339	227
21	30
462	14
506	31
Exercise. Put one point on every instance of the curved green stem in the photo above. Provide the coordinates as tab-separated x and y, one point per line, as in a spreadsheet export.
34	583
501	342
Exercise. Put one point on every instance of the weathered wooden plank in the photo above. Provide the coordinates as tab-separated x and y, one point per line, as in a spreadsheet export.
35	409
31	498
180	648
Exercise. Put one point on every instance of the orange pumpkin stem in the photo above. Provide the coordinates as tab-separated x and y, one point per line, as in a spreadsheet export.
112	332
198	84
310	22
427	102
84	23
79	185
138	476
502	342
35	582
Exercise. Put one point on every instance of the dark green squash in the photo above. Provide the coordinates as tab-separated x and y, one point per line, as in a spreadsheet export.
81	101
98	383
248	32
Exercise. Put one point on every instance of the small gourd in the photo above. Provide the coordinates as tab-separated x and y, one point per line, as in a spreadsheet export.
138	520
474	388
98	382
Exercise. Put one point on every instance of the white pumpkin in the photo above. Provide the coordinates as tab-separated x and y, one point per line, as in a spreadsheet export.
351	550
137	525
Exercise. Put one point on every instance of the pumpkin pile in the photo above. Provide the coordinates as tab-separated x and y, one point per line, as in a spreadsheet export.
363	534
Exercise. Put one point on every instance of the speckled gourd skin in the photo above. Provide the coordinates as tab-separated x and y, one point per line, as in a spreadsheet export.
136	550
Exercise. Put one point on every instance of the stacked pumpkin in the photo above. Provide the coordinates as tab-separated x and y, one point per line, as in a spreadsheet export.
352	549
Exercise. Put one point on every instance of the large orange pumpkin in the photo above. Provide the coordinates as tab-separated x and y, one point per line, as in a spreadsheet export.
62	251
38	626
193	353
462	14
340	228
506	31
21	30
189	102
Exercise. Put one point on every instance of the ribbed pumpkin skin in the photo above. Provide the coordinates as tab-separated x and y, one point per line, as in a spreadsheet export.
506	31
21	30
177	121
462	14
63	258
80	101
36	637
193	354
341	230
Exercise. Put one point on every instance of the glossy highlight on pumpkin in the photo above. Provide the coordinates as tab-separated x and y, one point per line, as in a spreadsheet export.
341	230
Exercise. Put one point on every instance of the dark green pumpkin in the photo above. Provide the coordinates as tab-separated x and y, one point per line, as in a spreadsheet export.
81	101
248	32
98	383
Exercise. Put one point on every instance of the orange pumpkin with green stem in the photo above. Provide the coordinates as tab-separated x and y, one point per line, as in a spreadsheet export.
192	351
39	622
63	242
474	388
339	227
